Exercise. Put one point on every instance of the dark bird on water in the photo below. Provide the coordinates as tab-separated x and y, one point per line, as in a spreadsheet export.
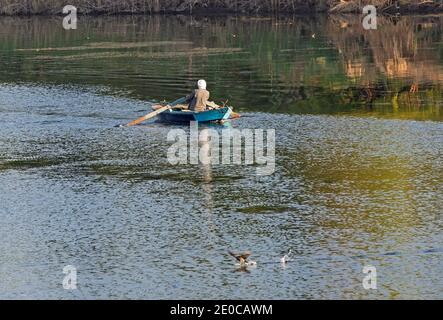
241	257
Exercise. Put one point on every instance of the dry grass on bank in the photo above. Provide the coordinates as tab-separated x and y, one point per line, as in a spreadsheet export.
29	7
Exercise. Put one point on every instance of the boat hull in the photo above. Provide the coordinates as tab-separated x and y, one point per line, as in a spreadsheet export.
188	116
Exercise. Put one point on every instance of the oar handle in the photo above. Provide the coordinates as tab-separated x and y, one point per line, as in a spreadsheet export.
156	112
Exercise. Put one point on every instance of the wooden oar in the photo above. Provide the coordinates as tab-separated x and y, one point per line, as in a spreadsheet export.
148	116
155	113
176	107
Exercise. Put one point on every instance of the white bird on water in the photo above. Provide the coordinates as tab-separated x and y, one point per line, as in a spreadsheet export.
285	257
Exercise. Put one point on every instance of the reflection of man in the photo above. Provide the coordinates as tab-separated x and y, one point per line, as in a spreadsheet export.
199	98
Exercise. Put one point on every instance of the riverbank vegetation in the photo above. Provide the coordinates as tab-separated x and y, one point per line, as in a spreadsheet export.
30	7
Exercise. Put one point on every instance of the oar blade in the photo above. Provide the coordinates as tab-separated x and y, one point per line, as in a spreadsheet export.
235	115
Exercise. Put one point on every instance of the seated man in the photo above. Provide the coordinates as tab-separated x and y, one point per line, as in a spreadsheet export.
198	99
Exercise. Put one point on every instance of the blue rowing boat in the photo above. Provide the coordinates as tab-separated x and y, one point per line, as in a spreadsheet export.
178	116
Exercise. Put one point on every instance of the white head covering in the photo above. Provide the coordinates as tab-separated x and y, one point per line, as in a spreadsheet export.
201	84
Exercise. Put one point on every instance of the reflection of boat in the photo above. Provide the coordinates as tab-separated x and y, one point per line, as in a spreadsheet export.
172	115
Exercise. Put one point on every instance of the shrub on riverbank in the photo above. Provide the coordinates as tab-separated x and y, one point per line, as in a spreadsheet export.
25	7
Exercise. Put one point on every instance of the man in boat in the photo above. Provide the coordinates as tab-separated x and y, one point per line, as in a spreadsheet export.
199	98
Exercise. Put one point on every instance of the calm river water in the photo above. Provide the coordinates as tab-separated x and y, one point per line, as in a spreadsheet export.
358	181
